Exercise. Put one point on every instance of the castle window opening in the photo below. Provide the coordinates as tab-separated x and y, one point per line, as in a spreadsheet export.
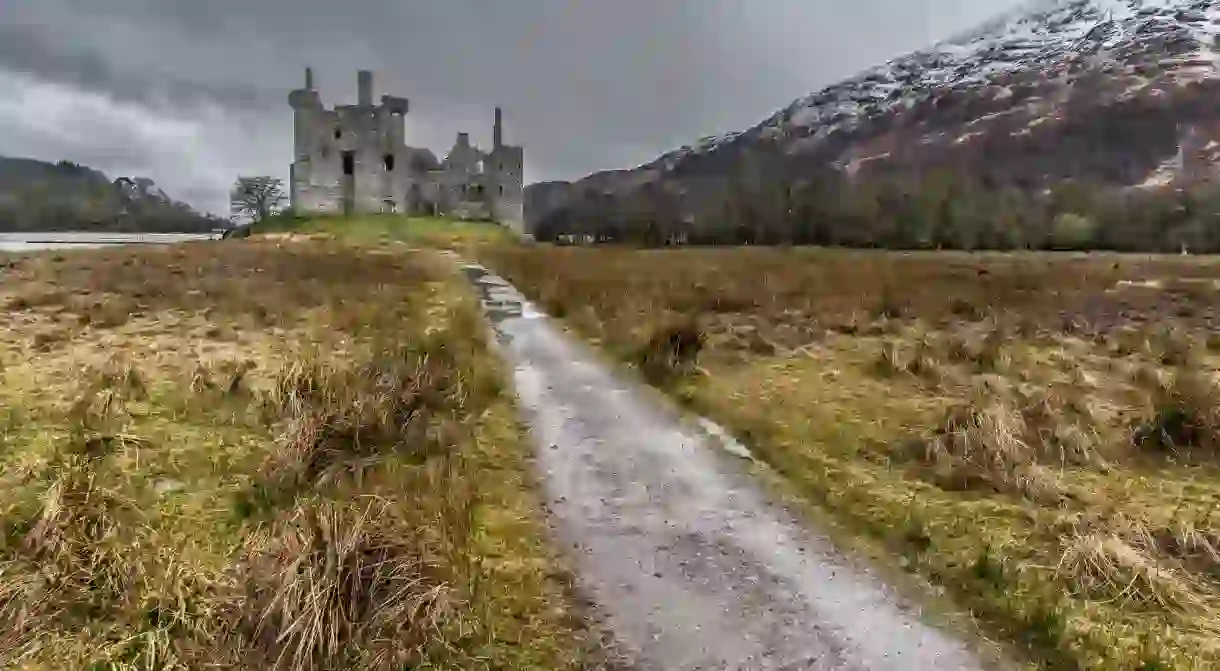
338	134
349	162
388	162
501	189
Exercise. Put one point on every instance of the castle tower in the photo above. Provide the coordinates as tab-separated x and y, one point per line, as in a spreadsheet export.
307	108
364	85
498	130
506	178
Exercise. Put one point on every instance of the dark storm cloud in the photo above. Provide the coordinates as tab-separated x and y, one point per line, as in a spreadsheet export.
30	50
586	84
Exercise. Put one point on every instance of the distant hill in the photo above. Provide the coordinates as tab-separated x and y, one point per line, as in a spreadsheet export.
1119	98
41	196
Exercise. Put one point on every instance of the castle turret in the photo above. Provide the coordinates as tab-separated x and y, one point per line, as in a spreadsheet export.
305	98
364	84
506	168
307	107
498	130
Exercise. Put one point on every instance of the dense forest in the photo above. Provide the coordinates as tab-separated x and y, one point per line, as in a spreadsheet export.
941	209
63	196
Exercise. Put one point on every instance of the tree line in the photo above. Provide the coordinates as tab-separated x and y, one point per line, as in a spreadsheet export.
70	197
938	209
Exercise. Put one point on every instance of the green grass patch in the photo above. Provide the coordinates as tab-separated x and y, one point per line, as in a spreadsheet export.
429	232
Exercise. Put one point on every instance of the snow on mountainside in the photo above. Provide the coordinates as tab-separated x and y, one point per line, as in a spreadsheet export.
1057	40
1120	91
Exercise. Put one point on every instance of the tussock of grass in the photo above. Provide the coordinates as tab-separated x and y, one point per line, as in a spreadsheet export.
1198	548
1023	378
920	360
1186	415
334	586
984	445
1107	567
891	361
1061	430
74	554
345	419
671	351
1173	346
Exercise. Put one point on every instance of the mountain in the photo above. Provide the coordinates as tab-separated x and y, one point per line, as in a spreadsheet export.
1118	93
37	195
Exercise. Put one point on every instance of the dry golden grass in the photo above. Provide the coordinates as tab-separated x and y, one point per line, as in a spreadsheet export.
264	454
1033	433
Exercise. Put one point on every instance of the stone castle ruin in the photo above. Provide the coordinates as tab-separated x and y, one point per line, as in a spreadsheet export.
353	159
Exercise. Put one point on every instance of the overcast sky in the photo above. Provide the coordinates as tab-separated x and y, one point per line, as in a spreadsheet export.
194	92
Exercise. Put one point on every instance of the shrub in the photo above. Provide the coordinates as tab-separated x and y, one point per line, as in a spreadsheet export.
1072	231
671	351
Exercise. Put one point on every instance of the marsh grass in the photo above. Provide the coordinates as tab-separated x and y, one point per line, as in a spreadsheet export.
1032	433
288	454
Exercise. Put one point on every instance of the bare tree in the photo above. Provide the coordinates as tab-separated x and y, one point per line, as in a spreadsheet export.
256	197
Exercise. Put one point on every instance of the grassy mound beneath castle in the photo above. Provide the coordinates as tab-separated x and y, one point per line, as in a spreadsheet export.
423	232
1034	435
264	454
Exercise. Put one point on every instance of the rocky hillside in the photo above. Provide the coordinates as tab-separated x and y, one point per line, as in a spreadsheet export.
36	195
1116	92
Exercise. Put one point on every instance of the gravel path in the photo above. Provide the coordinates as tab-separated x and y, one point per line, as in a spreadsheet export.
686	558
